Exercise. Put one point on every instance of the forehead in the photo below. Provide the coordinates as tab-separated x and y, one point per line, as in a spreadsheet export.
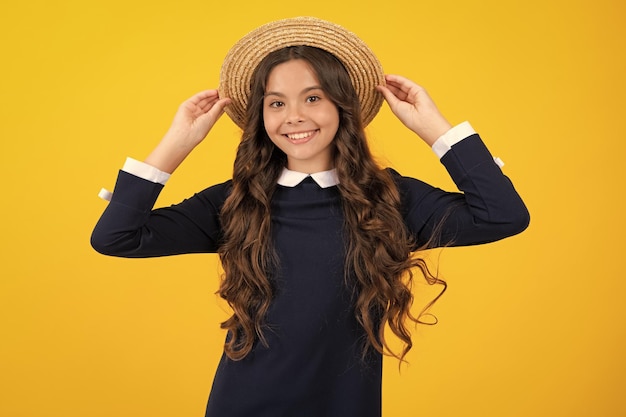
291	74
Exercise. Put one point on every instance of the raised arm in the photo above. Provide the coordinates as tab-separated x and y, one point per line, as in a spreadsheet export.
488	208
130	228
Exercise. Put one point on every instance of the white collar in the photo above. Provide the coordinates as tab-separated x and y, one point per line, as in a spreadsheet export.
324	179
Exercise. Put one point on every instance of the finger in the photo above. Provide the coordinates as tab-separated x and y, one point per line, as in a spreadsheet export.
209	101
204	94
202	98
218	108
389	95
206	104
399	80
401	95
407	86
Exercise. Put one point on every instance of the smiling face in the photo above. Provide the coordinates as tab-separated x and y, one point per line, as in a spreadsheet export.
299	117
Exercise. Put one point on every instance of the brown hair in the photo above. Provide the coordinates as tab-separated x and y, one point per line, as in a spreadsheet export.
379	265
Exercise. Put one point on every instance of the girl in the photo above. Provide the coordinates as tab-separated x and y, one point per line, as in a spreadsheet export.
316	240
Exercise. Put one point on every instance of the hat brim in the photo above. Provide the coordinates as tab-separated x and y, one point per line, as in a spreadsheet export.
362	65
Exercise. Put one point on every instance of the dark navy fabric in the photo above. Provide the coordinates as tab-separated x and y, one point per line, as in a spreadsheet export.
313	363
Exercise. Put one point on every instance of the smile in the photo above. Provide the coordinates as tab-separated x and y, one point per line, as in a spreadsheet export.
301	135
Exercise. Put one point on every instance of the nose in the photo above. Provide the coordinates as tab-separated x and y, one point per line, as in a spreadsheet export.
294	115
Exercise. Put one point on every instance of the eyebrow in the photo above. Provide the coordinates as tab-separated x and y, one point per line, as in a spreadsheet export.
278	94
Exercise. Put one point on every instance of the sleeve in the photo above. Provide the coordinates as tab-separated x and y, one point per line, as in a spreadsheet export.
145	171
487	209
453	136
129	227
141	170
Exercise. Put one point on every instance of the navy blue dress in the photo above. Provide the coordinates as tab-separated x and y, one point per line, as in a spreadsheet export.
313	364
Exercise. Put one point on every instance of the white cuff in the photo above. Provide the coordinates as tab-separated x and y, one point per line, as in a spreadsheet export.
141	170
452	137
145	171
105	194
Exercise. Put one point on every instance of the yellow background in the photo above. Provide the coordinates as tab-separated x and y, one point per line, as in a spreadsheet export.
531	326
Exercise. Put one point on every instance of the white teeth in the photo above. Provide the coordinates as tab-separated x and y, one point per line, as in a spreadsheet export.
296	136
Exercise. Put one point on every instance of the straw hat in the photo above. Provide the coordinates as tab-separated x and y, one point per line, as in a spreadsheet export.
363	67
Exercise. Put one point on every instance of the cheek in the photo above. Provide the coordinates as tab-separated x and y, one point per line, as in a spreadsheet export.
269	123
333	119
271	127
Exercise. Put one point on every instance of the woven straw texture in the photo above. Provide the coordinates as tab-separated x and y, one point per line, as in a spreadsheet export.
363	67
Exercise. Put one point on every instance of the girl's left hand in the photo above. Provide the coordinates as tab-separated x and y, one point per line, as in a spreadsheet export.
412	105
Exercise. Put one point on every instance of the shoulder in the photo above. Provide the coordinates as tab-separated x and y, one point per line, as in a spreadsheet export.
213	196
407	184
219	191
414	192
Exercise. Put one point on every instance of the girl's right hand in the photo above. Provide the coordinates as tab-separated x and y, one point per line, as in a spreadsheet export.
196	116
193	121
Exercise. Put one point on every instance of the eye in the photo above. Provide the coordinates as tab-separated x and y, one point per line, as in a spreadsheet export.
313	99
276	104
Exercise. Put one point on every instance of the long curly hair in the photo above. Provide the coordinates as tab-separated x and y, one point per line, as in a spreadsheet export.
379	261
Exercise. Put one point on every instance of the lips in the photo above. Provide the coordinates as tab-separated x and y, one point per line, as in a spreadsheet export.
300	136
